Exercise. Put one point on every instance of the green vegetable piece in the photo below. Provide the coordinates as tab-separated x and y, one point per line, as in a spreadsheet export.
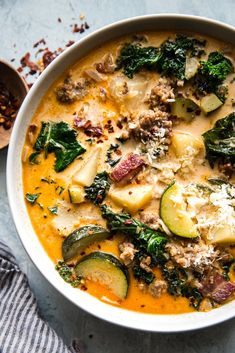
210	102
76	194
53	210
60	139
220	141
185	108
105	269
96	192
68	274
212	73
78	240
33	158
153	241
169	59
31	198
173	212
191	67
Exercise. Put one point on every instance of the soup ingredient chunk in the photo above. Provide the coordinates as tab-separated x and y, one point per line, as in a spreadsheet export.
105	269
174	213
79	239
87	172
220	144
70	91
96	192
60	139
127	168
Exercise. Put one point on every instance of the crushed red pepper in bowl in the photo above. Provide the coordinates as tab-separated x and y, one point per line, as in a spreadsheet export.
9	106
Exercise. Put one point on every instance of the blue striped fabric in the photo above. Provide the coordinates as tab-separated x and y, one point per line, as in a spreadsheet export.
21	328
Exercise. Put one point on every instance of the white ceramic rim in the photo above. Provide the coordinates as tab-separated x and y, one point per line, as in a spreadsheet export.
131	319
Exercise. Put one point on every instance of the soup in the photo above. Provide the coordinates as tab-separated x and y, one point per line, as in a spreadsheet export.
128	171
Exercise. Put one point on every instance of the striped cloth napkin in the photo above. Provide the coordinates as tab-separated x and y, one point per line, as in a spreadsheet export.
21	328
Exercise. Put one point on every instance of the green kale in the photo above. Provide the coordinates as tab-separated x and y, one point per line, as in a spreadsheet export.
31	198
96	192
220	141
59	138
151	240
143	275
33	158
169	59
112	162
68	274
212	73
178	285
134	57
53	209
172	59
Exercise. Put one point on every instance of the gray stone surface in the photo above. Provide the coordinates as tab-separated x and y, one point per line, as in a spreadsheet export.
22	23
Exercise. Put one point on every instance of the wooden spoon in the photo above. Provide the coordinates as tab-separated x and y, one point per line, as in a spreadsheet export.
16	85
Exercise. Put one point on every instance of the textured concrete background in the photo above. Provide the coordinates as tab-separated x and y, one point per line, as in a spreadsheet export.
22	23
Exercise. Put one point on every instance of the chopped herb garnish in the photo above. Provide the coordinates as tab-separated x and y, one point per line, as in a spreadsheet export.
53	210
59	189
60	139
112	162
31	198
48	180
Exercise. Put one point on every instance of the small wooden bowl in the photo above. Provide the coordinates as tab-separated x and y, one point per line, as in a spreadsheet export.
16	85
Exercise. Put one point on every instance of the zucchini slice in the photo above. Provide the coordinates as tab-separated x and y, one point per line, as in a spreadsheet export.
210	102
82	237
76	194
185	108
191	67
107	270
174	214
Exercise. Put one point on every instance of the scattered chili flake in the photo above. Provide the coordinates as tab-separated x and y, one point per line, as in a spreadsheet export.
59	20
25	62
9	106
70	42
40	41
109	126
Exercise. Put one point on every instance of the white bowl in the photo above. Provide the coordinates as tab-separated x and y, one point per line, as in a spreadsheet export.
148	322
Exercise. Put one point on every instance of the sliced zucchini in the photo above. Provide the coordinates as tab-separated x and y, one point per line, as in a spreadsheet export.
174	214
79	239
86	174
191	67
223	235
185	108
210	102
105	269
76	194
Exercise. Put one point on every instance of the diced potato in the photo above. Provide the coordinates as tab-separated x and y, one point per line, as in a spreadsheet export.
184	108
181	142
86	174
224	235
210	103
76	194
191	67
132	197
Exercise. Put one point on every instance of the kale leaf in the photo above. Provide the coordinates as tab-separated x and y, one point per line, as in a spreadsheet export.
153	241
96	192
143	275
59	138
220	141
177	280
68	274
169	59
173	55
134	57
212	73
53	209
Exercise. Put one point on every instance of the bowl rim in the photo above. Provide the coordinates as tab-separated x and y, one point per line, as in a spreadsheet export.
123	317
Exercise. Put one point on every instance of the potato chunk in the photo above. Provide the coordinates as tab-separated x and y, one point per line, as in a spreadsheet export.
183	142
132	197
86	174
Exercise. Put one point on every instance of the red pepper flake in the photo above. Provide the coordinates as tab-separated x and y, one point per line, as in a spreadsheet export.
9	106
128	222
40	41
86	25
109	126
48	57
59	20
25	62
70	42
